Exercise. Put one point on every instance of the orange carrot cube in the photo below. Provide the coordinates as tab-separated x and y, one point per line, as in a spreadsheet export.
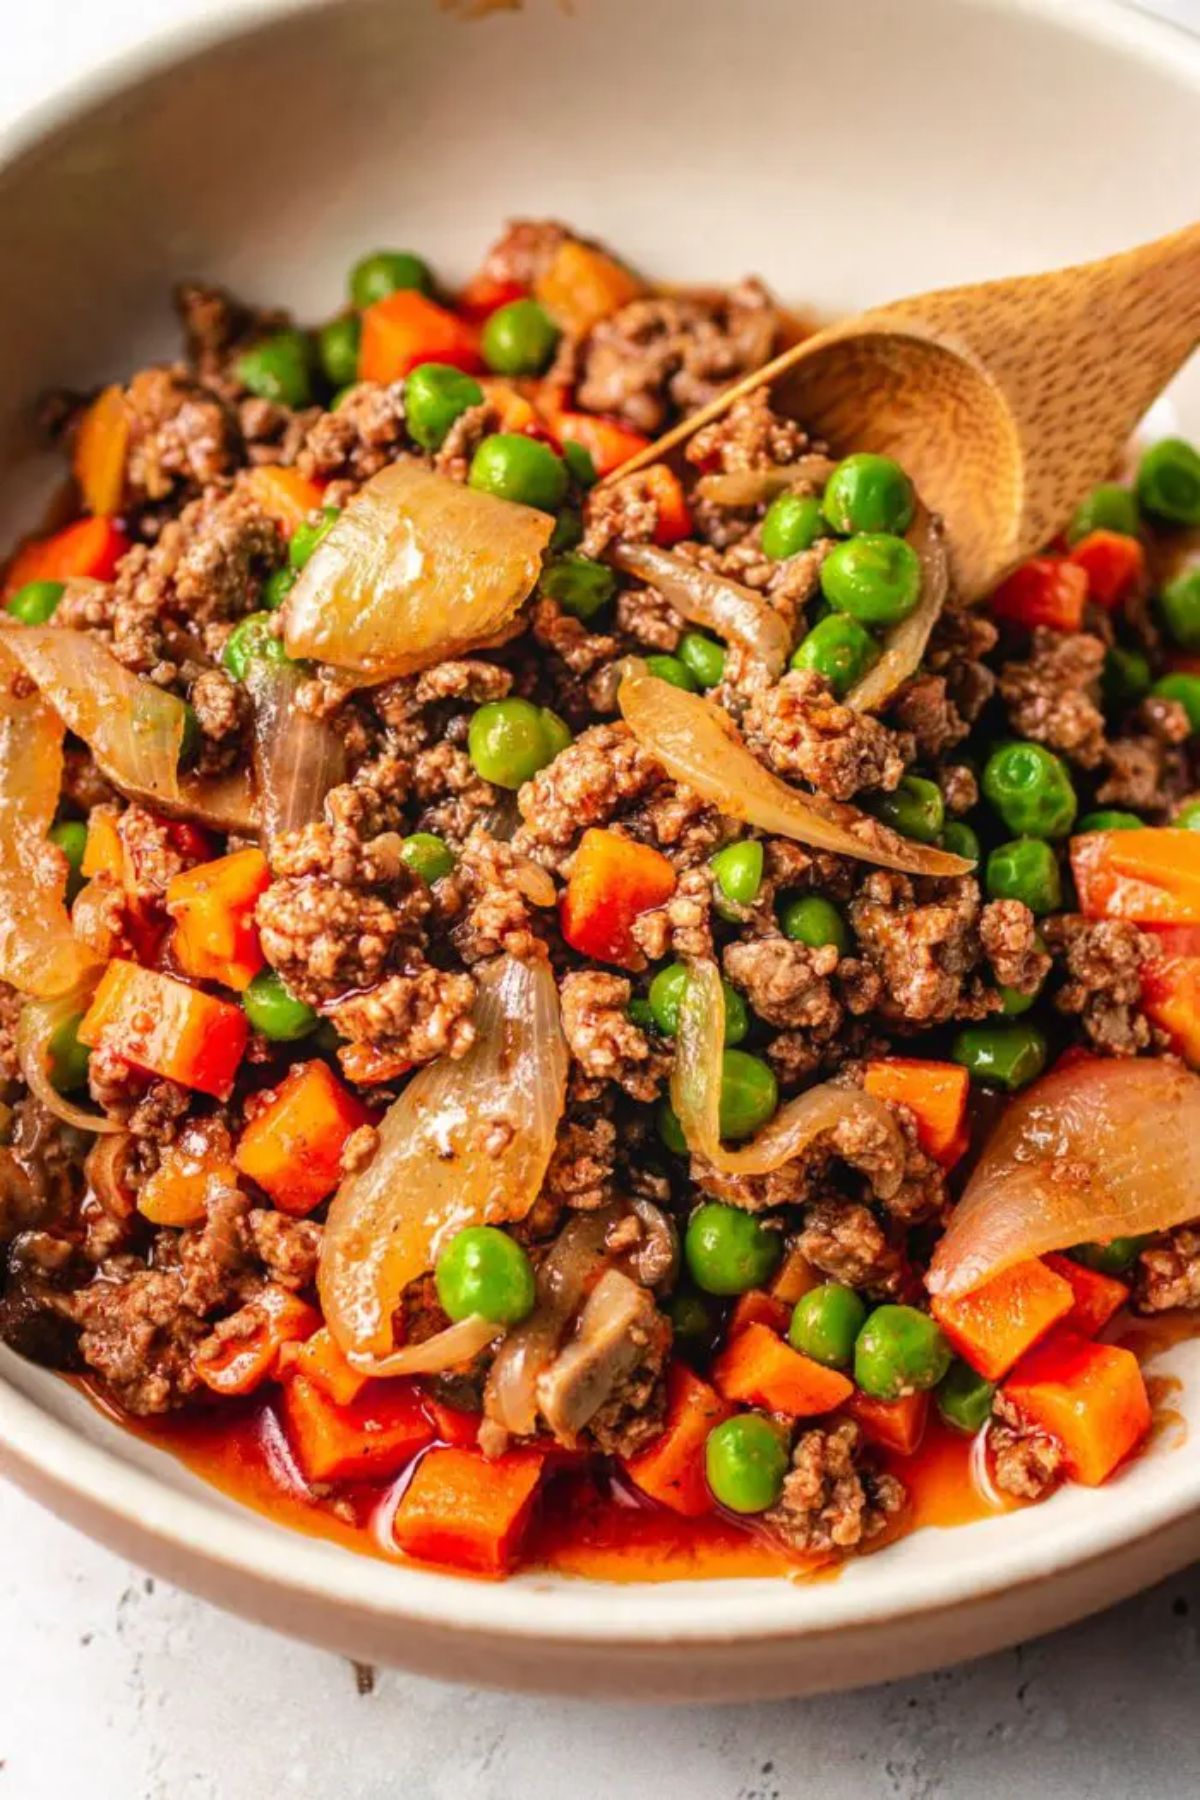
757	1368
166	1028
212	905
612	880
293	1146
370	1438
464	1513
998	1322
935	1093
671	1469
1090	1397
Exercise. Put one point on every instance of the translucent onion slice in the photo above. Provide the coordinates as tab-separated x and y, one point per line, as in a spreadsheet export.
750	487
697	743
466	1143
39	954
39	1021
458	1344
297	757
416	569
133	729
696	1092
1104	1148
905	644
224	802
726	607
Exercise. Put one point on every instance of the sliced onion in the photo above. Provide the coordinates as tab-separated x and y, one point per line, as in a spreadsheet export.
698	744
467	1142
224	802
449	1349
905	644
132	728
1101	1149
39	1021
39	953
696	1092
416	569
749	487
297	756
726	607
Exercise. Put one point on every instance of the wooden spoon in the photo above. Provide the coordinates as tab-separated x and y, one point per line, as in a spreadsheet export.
1005	401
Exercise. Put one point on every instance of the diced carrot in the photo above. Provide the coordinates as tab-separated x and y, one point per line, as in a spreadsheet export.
757	1307
320	1360
1097	1296
1151	877
99	454
212	905
102	851
369	1438
671	1469
166	1028
238	1365
484	295
674	515
1174	940
758	1368
612	880
89	549
292	1147
514	412
994	1325
176	1192
407	328
464	1513
1090	1397
580	286
1171	1000
895	1424
285	495
1046	590
935	1093
1114	564
368	1066
451	1424
608	443
795	1277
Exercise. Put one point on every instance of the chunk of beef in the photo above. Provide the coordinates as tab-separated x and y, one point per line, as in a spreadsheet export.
801	730
1025	1461
413	1016
925	950
787	983
832	1500
846	1242
603	1039
1102	962
1052	695
589	783
1167	1275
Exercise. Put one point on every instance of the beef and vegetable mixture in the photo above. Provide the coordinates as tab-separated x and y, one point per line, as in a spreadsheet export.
530	972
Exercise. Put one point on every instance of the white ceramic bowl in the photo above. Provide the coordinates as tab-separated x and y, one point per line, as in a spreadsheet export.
848	153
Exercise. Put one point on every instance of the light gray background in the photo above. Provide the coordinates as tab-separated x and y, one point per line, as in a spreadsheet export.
117	1688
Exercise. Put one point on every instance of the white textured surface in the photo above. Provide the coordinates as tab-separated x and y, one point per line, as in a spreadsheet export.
126	1690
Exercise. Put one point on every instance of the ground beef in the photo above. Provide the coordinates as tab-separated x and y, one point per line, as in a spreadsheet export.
1052	695
569	638
924	709
846	1242
1008	933
1167	1274
11	1003
581	1169
454	797
925	950
411	1016
524	251
800	730
150	859
634	1414
831	1500
652	622
960	788
683	927
182	436
788	984
136	1334
287	1248
604	1040
961	638
491	900
361	437
220	705
1025	1461
625	509
1147	770
1102	961
751	435
589	783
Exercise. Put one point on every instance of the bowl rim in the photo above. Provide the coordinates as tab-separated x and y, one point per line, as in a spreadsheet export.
53	1460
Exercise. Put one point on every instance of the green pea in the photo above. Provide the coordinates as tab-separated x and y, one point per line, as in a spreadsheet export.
745	1462
899	1351
277	587
71	837
1108	819
869	493
1125	678
558	732
519	468
508	741
254	639
876	578
728	1251
694	1318
519	339
580	463
1108	507
670	1131
1014	1002
793	522
825	1324
703	656
579	585
1188	817
1025	870
435	395
915	808
666	997
961	840
568	531
309	533
337	348
427	855
810	919
840	649
1168	482
275	1012
36	602
642	1013
278	369
1179	604
964	1398
749	1094
384	272
483	1270
1185	689
1008	1056
68	1058
669	668
1030	789
739	870
1114	1258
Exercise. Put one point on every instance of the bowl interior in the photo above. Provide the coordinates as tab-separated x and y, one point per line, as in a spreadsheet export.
845	157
